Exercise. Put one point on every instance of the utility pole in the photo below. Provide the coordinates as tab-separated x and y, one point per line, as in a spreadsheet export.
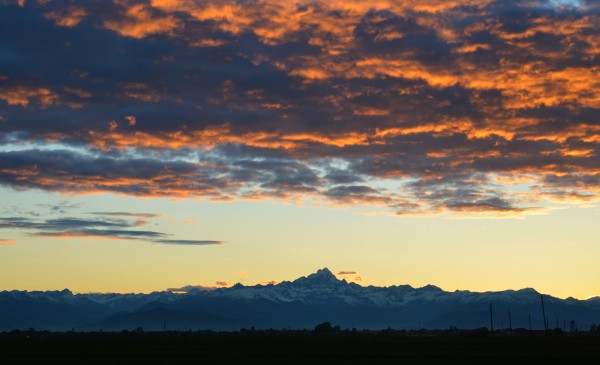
544	315
491	319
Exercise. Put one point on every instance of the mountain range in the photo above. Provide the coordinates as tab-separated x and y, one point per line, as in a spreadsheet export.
297	304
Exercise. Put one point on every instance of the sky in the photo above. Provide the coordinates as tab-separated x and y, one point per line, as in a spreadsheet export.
154	144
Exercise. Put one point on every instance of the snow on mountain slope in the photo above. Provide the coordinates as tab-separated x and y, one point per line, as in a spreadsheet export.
318	296
317	287
323	285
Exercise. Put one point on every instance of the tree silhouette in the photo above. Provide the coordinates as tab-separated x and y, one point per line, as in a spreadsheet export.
323	327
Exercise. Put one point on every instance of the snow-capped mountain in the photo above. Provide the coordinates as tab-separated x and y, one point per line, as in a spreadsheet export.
324	286
301	303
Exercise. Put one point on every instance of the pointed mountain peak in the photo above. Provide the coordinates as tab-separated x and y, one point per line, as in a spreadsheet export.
323	277
324	272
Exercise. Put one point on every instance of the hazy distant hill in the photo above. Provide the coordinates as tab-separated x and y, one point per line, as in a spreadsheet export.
159	319
301	303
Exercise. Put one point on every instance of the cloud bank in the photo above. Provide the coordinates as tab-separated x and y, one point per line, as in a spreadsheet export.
417	107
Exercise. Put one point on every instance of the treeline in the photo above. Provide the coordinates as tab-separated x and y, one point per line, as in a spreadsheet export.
322	329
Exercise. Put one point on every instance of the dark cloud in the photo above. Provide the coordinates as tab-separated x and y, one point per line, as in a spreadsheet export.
142	218
60	208
105	227
70	171
75	222
189	242
128	214
340	176
360	194
419	107
75	227
102	233
16	222
347	273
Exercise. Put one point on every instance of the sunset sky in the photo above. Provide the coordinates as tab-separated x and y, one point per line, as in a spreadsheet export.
154	144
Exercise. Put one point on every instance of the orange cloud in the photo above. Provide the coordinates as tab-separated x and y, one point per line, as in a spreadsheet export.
7	242
278	20
140	91
212	136
113	125
140	21
372	112
23	95
377	67
78	92
208	42
67	17
131	119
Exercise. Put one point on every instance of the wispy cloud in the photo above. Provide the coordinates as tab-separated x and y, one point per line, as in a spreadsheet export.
189	242
60	208
7	242
350	276
101	233
128	214
104	227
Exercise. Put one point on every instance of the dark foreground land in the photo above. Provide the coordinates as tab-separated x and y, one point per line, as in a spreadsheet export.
293	348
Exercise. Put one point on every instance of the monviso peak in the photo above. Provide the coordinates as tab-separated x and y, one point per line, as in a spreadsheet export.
322	278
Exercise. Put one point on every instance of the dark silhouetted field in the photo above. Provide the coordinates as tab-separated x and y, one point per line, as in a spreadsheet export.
292	348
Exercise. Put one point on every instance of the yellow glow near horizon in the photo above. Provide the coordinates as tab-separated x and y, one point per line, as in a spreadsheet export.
553	253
